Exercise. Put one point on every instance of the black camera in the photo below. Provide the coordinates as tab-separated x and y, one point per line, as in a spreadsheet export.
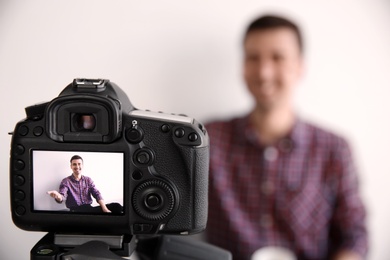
151	167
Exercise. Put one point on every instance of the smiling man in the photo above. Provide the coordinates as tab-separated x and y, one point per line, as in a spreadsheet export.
77	191
275	179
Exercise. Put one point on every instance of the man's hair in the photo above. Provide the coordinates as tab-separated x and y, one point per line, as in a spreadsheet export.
268	22
76	157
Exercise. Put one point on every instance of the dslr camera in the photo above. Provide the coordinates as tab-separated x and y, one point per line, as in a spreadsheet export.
153	166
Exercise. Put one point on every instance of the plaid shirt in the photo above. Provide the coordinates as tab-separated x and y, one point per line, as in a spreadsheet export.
301	193
77	193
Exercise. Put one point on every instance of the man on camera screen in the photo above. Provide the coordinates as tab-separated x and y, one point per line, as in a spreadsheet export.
77	189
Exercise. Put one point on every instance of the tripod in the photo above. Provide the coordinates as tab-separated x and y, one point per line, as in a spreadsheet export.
104	247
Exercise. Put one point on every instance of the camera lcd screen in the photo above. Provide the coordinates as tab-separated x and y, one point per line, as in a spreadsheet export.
78	182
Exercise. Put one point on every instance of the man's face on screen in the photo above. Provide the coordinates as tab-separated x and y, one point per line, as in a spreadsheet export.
76	166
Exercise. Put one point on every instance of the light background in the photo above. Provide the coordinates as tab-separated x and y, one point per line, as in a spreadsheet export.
185	57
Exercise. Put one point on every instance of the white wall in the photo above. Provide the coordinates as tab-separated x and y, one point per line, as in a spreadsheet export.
184	57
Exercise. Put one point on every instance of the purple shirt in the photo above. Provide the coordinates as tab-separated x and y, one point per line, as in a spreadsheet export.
301	193
77	193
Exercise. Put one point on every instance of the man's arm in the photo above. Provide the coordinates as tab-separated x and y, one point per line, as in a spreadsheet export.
348	227
97	195
103	206
60	195
56	195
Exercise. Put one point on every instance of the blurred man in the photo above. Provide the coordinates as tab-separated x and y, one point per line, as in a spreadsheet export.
77	190
276	180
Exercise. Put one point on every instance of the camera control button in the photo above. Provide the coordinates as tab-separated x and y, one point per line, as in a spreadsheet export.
19	165
193	137
20	210
144	156
142	228
165	128
20	195
38	131
19	149
153	202
134	135
19	180
23	130
137	175
179	132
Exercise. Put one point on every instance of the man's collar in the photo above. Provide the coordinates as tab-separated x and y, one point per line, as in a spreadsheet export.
295	138
74	178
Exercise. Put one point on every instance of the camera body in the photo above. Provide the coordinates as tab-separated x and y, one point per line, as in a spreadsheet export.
154	165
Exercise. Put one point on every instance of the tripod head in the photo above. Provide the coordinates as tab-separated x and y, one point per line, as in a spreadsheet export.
95	247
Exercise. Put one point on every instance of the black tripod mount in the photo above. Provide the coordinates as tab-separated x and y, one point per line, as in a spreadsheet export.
104	247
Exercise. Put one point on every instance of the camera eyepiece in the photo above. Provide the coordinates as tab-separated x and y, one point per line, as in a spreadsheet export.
84	122
87	110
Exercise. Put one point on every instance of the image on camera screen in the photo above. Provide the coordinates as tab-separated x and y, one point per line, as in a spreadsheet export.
78	182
